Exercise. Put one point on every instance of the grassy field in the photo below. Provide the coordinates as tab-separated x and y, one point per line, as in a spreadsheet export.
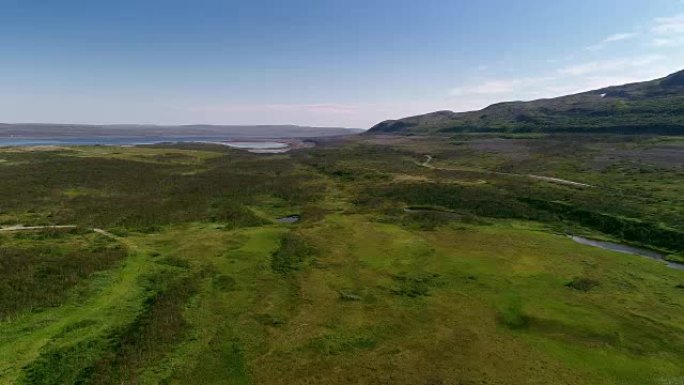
476	283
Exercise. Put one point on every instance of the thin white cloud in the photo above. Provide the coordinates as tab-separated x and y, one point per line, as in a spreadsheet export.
614	38
571	79
613	65
668	42
668	31
595	47
325	108
663	31
318	108
649	61
361	115
668	25
495	87
620	37
498	86
577	77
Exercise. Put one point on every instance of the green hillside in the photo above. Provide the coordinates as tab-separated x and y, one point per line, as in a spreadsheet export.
652	107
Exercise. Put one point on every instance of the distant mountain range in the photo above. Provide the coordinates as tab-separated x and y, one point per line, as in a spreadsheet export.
64	131
652	107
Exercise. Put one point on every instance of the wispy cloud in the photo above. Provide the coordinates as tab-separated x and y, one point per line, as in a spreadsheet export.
649	60
668	25
576	77
498	86
570	79
620	37
663	32
319	114
488	87
322	108
614	65
668	42
614	38
668	31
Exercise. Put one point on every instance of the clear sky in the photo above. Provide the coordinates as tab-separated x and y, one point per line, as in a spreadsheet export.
317	62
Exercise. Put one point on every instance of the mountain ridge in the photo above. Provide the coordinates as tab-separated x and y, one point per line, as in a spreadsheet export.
653	107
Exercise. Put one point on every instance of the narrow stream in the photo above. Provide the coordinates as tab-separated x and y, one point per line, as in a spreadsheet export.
627	250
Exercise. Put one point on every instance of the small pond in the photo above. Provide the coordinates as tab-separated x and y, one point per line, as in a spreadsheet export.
289	219
260	147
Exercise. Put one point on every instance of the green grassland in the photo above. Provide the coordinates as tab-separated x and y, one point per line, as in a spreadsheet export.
397	273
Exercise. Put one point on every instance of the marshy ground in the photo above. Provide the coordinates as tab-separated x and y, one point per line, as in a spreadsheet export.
477	283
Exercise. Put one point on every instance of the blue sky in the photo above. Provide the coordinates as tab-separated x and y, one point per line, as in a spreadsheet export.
317	62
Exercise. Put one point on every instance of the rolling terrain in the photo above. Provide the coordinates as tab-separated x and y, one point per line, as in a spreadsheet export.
415	260
652	107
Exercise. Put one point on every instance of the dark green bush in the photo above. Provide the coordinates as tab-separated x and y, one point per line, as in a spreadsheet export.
293	250
36	277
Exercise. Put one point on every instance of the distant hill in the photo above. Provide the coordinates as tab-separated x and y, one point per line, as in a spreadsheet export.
57	131
654	107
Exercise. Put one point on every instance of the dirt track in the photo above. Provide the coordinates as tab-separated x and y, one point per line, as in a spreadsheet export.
56	227
428	159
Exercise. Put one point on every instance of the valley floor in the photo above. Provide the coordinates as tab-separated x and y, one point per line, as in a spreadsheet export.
396	273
